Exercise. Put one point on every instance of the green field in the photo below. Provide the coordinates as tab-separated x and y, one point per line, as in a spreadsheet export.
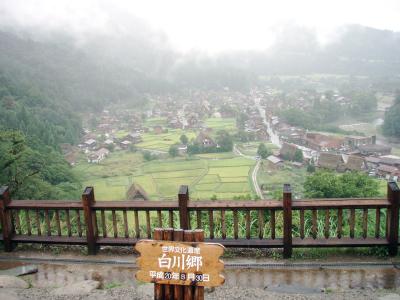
162	142
221	174
228	124
273	179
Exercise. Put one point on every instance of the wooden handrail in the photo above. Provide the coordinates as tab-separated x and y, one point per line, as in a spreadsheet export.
45	219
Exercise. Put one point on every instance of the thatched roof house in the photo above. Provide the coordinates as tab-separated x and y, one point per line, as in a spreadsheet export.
136	192
355	163
330	161
288	151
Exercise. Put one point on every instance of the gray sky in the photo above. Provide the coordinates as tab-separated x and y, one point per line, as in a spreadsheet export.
205	25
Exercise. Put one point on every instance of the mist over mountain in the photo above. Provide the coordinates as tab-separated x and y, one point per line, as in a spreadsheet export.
116	67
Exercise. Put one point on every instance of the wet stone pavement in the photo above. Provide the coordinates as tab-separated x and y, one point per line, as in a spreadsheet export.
118	282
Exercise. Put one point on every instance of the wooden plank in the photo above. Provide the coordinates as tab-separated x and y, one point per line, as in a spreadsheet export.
87	203
393	195
302	223
198	217
314	223
148	226
340	222
188	236
126	226
58	225
340	203
272	223
178	289
103	223
68	222
43	239
39	230
352	221
6	219
248	224
17	221
159	217
44	204
171	218
327	227
235	224
223	224
199	237
377	222
48	227
287	221
137	228
78	222
114	222
158	288
168	235
183	199
211	223
261	223
335	242
28	222
365	222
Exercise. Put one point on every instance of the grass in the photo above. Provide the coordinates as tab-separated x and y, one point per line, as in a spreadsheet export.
251	148
220	174
163	141
274	179
228	124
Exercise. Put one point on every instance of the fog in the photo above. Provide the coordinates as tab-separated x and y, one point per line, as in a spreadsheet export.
206	26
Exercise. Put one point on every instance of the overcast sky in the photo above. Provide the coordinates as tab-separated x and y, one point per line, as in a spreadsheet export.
206	25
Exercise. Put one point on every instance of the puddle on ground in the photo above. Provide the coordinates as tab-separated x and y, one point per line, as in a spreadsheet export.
283	280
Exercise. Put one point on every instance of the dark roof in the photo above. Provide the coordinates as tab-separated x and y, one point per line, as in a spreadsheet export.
330	160
354	163
136	192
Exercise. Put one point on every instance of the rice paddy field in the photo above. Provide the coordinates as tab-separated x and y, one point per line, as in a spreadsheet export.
222	175
162	142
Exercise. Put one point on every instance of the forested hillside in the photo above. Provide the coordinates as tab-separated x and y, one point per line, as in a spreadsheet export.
32	125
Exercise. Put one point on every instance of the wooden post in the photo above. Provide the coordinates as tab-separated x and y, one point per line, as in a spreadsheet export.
287	221
158	235
199	290
183	198
6	219
87	203
393	194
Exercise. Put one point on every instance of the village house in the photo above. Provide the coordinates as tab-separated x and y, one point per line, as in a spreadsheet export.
331	161
322	142
354	141
133	137
125	144
390	160
157	129
205	140
90	143
355	163
288	151
387	171
374	149
136	193
98	156
275	162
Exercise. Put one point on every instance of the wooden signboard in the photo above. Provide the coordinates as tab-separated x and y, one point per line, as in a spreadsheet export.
180	263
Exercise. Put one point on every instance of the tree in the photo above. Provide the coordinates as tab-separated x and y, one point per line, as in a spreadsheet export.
147	156
298	156
325	184
173	151
225	141
184	139
391	125
263	151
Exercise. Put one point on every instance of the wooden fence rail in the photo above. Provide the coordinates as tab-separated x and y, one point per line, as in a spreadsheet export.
258	224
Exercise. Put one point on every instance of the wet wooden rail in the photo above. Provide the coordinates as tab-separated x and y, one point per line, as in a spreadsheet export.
258	224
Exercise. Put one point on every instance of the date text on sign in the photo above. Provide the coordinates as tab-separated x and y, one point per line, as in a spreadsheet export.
181	263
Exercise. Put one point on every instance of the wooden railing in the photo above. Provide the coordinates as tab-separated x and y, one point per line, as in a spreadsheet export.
259	224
